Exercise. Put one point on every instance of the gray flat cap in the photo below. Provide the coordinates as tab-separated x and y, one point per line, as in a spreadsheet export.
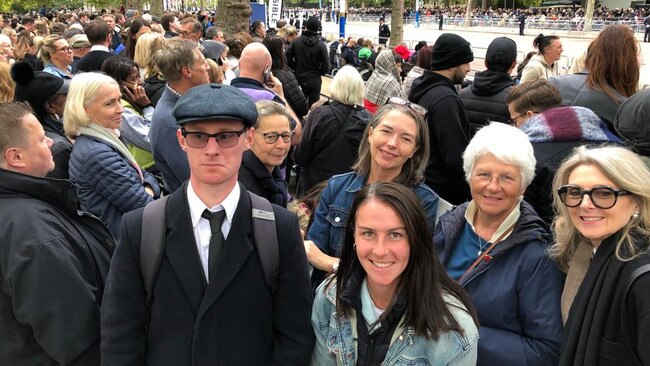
215	102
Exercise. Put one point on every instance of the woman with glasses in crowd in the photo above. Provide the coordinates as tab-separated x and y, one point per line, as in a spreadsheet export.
57	56
602	233
394	148
391	302
260	167
110	182
495	247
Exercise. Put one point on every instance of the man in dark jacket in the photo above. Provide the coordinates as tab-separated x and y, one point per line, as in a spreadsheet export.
384	32
210	303
448	126
53	258
485	99
99	35
308	56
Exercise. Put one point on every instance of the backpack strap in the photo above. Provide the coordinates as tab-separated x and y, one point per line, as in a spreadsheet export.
633	277
152	243
266	239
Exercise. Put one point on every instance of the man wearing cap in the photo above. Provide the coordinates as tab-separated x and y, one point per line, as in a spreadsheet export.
80	48
53	258
210	307
184	67
99	35
448	126
308	56
485	99
384	32
46	94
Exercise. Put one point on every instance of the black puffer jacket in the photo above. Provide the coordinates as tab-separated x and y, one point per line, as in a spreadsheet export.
485	99
330	140
308	56
292	91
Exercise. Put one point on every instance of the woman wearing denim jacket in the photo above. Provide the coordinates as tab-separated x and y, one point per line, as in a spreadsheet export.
394	148
390	302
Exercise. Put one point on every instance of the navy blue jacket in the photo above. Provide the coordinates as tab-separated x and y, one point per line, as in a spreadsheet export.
109	186
516	293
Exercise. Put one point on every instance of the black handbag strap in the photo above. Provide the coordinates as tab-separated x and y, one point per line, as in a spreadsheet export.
633	277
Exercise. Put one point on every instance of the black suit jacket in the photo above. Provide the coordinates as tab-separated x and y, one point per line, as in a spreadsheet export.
93	61
235	320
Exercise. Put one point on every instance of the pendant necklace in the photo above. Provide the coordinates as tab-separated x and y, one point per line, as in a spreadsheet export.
481	246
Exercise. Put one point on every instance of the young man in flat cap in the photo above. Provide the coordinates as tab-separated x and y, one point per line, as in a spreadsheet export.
448	125
210	302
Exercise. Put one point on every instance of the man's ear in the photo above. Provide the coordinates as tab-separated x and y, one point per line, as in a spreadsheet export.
181	140
186	72
248	139
49	108
14	158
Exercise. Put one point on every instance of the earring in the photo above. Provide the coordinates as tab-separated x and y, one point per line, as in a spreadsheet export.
635	215
354	246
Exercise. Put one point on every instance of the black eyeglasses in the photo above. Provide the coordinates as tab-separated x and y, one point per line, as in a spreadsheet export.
601	196
65	49
272	137
199	140
512	120
414	107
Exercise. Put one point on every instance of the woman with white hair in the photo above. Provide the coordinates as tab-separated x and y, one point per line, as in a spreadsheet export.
332	132
495	247
110	182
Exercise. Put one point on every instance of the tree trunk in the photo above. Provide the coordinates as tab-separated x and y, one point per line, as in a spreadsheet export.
589	15
397	23
468	11
156	7
233	16
133	4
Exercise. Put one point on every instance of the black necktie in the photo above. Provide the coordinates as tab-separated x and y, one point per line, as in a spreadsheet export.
216	240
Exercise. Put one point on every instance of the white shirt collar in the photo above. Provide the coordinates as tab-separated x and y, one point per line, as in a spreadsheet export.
197	206
99	47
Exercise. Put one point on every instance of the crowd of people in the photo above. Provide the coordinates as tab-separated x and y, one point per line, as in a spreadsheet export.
174	195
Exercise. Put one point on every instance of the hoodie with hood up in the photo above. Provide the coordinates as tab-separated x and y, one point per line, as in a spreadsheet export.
309	58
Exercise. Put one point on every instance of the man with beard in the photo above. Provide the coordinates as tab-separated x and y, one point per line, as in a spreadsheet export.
447	120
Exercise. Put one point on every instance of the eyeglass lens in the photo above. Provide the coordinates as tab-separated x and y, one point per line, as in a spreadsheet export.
224	139
272	137
601	197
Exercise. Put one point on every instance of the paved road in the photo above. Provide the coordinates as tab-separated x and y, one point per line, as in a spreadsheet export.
574	43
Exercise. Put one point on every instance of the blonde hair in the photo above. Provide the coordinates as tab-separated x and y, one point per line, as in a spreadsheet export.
629	173
83	91
48	48
7	85
287	31
215	73
148	44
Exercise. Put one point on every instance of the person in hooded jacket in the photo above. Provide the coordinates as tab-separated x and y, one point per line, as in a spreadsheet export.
46	94
333	131
385	81
309	58
448	127
485	99
496	249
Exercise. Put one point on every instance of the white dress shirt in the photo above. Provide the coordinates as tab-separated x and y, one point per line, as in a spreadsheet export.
201	226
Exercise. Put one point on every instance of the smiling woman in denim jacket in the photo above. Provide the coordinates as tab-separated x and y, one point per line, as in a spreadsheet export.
394	148
391	302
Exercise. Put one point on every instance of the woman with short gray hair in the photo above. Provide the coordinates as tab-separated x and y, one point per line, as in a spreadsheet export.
495	247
